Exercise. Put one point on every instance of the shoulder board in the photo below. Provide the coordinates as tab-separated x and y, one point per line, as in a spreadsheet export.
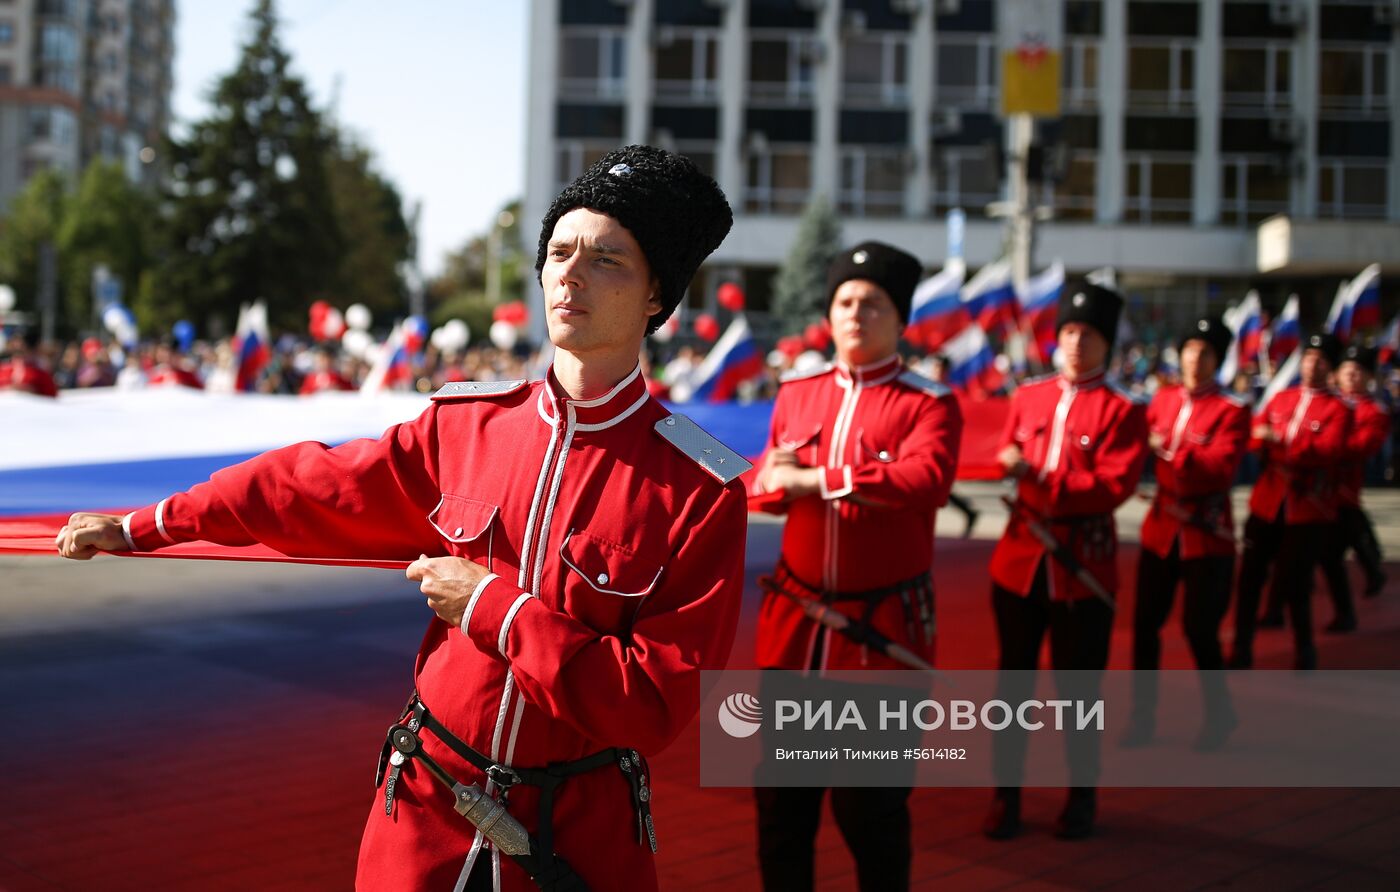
1126	394
723	463
470	390
794	375
1236	399
911	378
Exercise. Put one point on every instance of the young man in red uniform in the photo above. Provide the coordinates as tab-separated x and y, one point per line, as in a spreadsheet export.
1199	433
1303	433
1370	428
860	456
22	370
1076	445
581	547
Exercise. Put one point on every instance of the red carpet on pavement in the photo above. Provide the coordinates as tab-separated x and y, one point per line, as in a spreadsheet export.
241	757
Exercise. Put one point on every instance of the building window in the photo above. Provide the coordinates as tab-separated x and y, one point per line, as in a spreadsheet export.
1081	74
701	152
687	64
966	70
1256	75
966	177
1158	189
1253	187
1351	189
7	33
592	63
875	70
779	179
572	157
5	74
1353	77
1071	195
872	181
1161	74
781	67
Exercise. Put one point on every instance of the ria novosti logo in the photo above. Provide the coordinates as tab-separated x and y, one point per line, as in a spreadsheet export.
740	715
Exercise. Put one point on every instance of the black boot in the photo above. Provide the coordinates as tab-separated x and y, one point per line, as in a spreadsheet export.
1241	658
1003	819
1306	659
1220	719
1077	819
1374	584
1346	622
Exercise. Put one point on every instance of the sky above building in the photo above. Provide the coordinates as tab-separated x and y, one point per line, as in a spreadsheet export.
436	88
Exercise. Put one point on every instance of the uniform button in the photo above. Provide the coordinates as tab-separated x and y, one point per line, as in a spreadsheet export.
884	455
602	579
1084	441
458	533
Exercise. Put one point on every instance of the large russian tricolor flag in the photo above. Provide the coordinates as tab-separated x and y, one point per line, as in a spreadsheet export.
1357	305
937	312
1247	324
989	297
1288	375
971	362
733	360
1039	303
251	345
1286	333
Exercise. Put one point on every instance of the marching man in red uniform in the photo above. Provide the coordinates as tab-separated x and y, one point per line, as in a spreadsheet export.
581	547
860	456
1076	444
1303	433
1370	428
1199	434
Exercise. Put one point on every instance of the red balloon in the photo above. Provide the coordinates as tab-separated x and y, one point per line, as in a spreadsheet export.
817	336
706	326
731	297
513	312
319	309
791	346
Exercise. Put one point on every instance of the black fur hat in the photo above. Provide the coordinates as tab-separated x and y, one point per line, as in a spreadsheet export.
1362	356
677	214
885	265
1093	305
1328	344
1213	331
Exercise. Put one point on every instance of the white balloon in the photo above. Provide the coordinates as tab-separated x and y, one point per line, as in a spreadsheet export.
113	318
441	339
7	298
356	342
357	316
460	333
503	334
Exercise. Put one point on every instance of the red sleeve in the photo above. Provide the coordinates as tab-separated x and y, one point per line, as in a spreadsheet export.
1211	467
768	502
1117	466
1261	418
1372	428
643	690
1008	430
367	498
922	472
1329	446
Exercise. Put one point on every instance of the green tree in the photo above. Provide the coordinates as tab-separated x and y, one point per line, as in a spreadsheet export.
460	290
250	211
35	216
799	288
108	221
369	212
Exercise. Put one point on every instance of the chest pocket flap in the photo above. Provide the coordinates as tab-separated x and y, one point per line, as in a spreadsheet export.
608	568
795	437
460	519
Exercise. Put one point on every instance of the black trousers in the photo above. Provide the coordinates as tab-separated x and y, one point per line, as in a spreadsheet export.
1352	531
874	821
1205	599
1079	638
1293	550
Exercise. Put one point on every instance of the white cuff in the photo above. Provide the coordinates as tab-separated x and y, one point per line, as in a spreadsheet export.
510	618
160	521
845	489
476	594
126	531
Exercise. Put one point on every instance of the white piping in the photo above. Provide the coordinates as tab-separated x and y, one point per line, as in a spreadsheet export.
474	536
845	489
604	425
476	595
598	401
1057	432
593	584
467	867
510	618
1298	414
1179	429
542	536
126	531
160	521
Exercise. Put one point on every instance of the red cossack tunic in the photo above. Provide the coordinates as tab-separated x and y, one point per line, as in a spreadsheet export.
317	382
174	376
1299	477
1206	434
1086	443
17	374
617	571
888	440
1370	428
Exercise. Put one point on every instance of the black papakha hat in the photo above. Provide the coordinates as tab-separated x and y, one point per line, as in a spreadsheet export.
1363	356
1328	344
1093	305
677	214
885	265
1213	331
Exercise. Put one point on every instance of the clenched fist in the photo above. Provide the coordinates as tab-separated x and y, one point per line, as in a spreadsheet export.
447	581
86	534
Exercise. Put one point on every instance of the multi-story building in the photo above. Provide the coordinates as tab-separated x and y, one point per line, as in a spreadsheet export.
1184	126
81	79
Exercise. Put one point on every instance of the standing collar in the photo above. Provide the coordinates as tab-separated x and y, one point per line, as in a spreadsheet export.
626	397
1211	386
870	374
1087	381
